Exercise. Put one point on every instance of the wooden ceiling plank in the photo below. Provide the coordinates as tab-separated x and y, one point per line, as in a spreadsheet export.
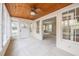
23	10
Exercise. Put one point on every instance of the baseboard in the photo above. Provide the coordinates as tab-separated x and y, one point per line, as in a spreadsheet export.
5	48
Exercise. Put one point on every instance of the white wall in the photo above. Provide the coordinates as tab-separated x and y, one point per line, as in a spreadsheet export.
6	34
0	26
6	25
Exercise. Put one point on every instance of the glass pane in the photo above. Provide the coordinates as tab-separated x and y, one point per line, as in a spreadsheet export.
64	13
37	29
77	29
66	27
77	25
31	26
77	11
74	35
50	28
15	28
77	35
46	28
72	11
66	30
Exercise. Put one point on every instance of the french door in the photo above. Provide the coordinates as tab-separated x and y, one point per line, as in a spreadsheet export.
69	27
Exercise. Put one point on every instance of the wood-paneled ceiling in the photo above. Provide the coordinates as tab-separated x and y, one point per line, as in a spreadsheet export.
23	10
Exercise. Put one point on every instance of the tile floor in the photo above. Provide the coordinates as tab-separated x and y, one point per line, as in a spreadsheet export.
34	47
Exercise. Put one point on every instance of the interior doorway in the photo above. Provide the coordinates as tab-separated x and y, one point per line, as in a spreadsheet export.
49	30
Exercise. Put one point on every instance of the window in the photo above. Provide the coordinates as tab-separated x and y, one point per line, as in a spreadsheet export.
15	28
37	29
50	27
66	29
71	25
68	24
77	25
31	27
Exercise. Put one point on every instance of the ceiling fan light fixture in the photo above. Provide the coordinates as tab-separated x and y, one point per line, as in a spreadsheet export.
33	13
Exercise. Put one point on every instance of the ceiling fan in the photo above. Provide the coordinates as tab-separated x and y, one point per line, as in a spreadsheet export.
35	10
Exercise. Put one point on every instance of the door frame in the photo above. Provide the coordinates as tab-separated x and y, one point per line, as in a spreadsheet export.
56	27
